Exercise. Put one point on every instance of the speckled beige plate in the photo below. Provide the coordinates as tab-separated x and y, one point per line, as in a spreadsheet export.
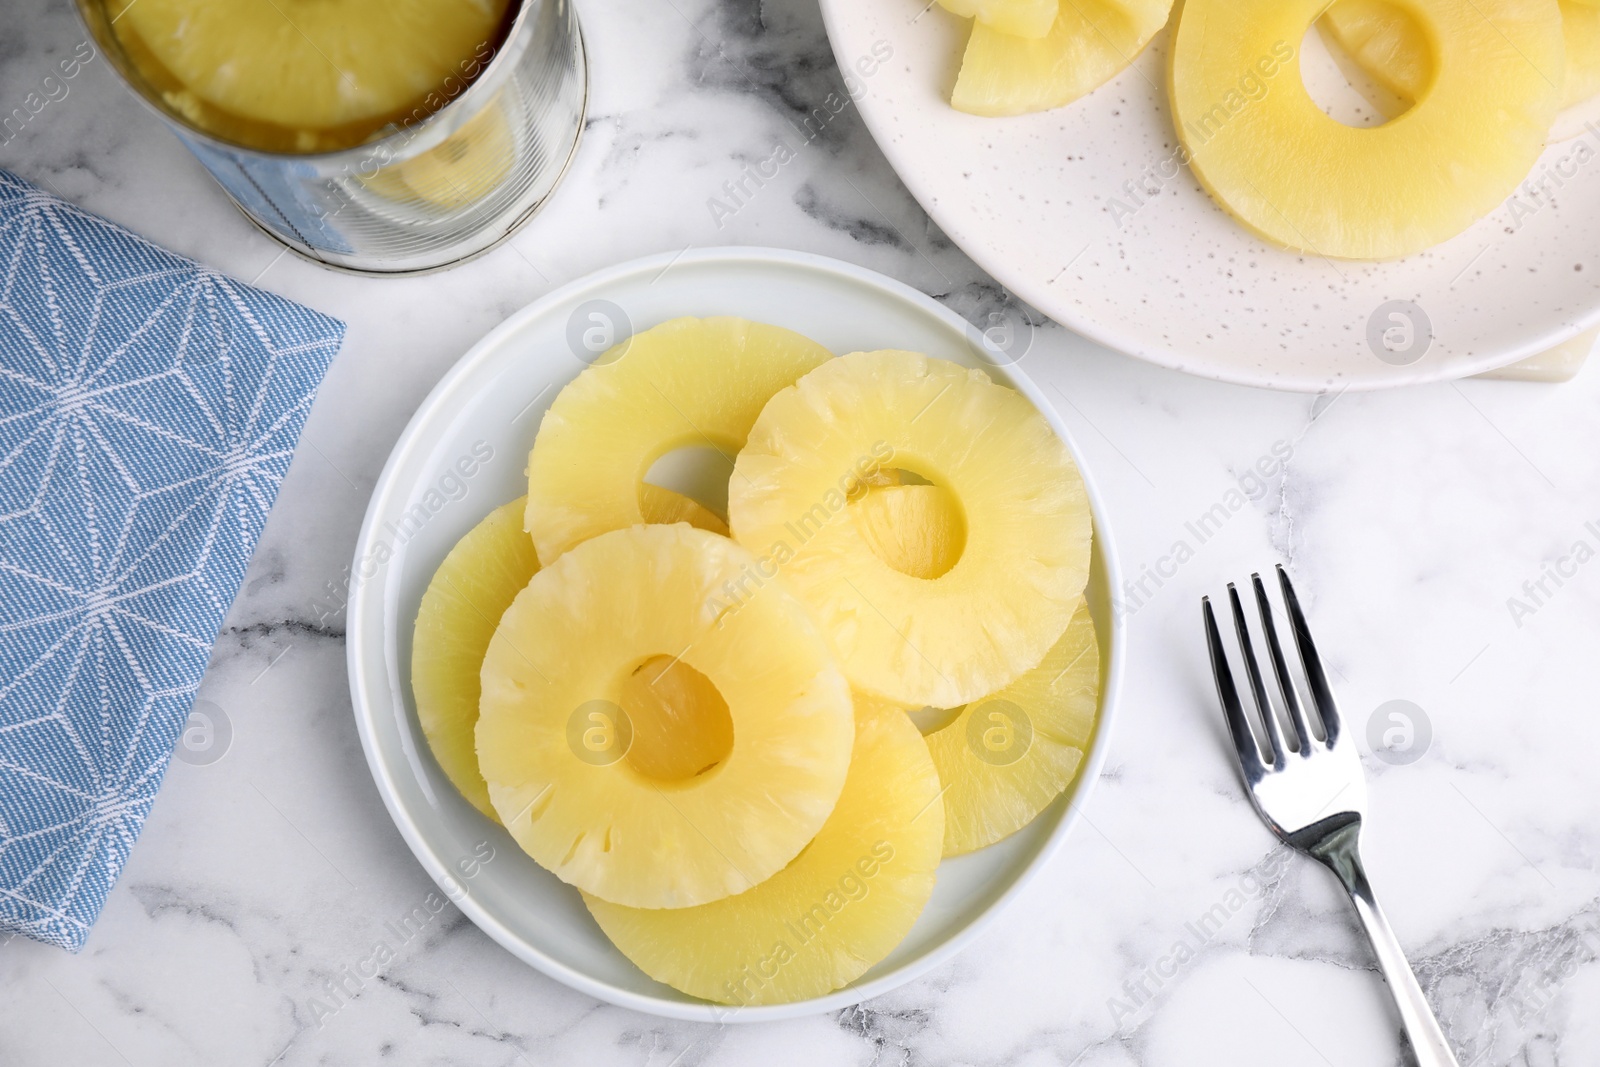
1039	201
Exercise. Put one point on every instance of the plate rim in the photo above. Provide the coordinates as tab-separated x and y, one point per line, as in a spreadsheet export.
363	639
1164	355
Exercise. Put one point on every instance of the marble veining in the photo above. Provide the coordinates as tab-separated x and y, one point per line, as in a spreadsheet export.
247	926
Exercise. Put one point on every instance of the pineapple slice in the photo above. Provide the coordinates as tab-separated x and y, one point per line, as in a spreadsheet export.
1090	42
551	736
1388	44
685	382
463	603
839	908
1005	757
914	641
1028	740
313	64
1294	176
460	609
1020	18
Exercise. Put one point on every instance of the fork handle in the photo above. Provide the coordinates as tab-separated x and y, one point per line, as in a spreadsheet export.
1341	853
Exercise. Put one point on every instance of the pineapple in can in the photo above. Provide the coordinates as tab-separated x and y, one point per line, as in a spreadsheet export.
459	171
313	64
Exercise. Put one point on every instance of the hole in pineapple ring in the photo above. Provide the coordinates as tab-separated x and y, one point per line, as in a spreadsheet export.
895	476
915	526
931	720
1345	86
680	724
999	732
699	472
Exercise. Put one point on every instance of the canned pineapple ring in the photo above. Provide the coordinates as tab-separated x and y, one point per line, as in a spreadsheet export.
556	670
915	641
1007	756
683	383
1269	155
465	599
822	921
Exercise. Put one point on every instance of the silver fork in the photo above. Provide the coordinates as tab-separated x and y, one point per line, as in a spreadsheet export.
1312	792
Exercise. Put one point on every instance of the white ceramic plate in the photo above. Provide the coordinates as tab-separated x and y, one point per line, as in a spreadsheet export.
489	405
1178	282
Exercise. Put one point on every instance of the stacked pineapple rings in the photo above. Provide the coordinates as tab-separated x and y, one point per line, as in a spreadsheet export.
708	734
1472	88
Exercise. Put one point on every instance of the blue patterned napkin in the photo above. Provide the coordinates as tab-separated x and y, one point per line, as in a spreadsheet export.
148	411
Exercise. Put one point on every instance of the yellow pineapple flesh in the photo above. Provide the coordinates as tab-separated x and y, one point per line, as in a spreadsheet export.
1005	757
657	504
462	606
460	609
1089	43
1389	45
1385	41
1580	28
681	726
1020	18
916	529
1298	178
348	67
915	641
553	740
687	382
841	906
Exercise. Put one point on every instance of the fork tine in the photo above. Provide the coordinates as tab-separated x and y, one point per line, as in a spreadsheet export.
1316	679
1244	742
1291	698
1269	717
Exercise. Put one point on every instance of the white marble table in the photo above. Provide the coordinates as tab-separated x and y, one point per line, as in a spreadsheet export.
1409	519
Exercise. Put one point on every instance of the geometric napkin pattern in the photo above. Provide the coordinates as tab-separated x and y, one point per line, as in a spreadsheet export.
149	408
